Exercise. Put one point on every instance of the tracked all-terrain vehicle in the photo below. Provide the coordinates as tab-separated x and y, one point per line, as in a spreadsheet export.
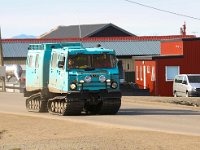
68	79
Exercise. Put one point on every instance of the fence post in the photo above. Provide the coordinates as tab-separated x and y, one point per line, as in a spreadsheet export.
2	64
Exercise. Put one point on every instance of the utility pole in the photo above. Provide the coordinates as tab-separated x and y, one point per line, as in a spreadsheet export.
2	64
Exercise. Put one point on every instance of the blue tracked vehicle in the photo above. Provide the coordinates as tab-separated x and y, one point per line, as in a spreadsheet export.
68	79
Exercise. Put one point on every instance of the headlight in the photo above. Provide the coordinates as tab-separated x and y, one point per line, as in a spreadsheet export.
72	86
81	81
193	89
102	78
114	85
108	80
88	79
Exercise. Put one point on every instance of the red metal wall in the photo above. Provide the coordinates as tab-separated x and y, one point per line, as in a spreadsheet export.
192	56
163	87
137	73
172	48
189	63
150	67
158	87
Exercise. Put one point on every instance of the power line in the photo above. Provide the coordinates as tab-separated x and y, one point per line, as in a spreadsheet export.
162	10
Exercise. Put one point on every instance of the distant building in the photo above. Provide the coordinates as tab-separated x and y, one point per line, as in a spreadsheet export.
127	48
127	45
180	56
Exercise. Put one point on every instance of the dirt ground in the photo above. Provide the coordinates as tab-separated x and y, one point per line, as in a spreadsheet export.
34	133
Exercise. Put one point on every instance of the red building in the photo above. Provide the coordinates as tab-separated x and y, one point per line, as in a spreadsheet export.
176	57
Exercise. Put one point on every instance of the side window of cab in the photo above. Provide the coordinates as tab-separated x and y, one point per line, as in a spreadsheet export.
37	61
54	60
61	62
177	79
30	61
184	80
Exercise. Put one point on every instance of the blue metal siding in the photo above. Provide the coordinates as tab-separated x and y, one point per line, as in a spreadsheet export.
15	49
122	48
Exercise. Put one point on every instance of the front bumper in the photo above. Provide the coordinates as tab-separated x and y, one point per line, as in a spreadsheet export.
194	93
84	94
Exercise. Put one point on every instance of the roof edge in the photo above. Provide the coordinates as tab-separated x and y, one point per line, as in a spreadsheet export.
152	57
96	39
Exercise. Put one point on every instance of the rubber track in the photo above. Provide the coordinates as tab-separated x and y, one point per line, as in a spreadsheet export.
72	107
109	106
43	103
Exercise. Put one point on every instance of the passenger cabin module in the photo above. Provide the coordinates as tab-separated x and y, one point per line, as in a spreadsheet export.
68	79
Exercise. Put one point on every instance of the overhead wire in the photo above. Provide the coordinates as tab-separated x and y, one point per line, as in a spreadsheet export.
162	10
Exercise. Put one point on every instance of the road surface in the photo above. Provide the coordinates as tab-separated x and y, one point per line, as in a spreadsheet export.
135	113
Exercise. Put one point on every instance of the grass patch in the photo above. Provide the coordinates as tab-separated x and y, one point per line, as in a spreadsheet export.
2	132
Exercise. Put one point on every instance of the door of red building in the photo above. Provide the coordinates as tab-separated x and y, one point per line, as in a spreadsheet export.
146	75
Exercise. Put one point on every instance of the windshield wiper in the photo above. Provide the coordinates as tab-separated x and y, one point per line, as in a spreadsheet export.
75	56
89	68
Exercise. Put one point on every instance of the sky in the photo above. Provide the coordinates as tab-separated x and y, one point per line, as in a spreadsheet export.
35	17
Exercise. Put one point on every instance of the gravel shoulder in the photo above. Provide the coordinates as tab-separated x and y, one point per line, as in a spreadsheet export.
34	133
186	101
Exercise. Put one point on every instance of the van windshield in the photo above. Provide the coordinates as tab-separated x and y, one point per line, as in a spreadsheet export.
194	79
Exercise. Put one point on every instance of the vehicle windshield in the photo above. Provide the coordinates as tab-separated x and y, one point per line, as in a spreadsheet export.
83	61
194	79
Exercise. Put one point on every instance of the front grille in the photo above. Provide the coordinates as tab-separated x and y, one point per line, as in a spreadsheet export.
95	75
94	86
198	89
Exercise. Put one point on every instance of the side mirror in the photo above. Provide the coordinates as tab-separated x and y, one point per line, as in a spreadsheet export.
116	60
61	64
184	82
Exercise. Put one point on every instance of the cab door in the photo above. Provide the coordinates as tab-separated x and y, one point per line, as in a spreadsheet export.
36	71
32	79
178	86
53	71
184	86
61	72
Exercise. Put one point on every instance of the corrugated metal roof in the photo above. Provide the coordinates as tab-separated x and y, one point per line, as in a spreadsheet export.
77	31
122	48
129	48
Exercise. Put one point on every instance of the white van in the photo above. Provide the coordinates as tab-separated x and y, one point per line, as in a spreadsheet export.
186	85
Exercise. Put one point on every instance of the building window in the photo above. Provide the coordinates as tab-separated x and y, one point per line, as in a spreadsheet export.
171	72
137	73
153	74
140	72
148	69
128	67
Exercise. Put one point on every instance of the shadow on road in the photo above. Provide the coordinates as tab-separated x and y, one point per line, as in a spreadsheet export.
139	111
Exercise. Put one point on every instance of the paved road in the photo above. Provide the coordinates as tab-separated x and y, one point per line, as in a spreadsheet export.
135	113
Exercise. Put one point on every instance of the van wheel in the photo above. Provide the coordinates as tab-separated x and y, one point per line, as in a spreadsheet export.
187	94
175	94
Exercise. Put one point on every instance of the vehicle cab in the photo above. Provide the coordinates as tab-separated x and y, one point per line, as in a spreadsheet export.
74	69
